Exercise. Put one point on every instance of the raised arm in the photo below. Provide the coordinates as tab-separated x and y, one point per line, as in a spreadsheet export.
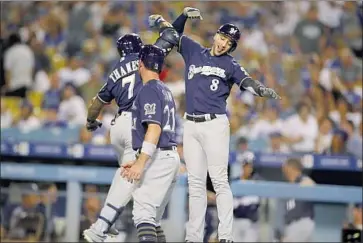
170	33
157	21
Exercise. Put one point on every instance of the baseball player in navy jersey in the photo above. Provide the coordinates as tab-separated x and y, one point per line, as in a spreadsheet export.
209	76
123	84
299	215
153	137
245	210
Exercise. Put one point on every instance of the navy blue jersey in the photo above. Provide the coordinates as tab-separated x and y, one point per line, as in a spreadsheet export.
246	207
123	83
297	209
208	79
154	104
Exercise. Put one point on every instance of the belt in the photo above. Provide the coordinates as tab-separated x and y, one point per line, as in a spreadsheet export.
161	149
202	118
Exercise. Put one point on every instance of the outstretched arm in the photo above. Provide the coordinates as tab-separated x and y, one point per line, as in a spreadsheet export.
157	21
256	88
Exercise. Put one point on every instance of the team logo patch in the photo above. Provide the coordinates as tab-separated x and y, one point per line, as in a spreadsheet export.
150	109
232	31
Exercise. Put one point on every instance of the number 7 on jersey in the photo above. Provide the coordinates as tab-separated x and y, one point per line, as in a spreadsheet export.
129	79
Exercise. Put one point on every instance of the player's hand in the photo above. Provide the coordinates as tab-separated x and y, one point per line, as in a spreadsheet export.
156	20
93	125
192	13
132	170
269	93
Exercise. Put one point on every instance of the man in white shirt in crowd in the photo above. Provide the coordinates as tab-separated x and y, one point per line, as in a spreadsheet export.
300	130
269	122
19	65
72	107
27	121
75	73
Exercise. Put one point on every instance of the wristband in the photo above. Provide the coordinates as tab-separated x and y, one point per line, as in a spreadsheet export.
148	148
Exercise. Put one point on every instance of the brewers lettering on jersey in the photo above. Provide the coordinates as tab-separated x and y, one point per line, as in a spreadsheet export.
209	78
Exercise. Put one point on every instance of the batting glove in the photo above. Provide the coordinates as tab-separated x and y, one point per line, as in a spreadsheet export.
192	13
93	125
269	93
156	19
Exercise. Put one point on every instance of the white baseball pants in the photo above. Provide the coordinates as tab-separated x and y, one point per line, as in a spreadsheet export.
206	147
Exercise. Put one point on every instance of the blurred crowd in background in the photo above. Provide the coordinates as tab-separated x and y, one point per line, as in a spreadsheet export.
57	56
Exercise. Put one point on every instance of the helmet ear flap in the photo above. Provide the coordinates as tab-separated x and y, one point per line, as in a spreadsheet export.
233	47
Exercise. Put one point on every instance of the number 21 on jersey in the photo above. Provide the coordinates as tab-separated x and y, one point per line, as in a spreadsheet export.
170	116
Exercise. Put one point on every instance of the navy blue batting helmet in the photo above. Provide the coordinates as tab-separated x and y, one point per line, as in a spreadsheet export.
232	32
152	57
129	43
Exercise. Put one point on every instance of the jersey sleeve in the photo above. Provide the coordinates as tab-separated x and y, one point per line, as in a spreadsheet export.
239	74
105	95
188	46
150	106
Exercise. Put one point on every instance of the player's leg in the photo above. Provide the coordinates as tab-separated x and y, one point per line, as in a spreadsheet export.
160	212
196	164
151	192
244	230
120	191
216	146
300	231
238	230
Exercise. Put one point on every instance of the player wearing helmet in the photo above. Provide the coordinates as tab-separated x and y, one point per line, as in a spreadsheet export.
123	84
209	76
153	137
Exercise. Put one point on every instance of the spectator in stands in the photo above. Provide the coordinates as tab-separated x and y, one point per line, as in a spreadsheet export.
72	108
26	222
325	136
78	26
51	119
276	144
350	70
94	85
309	33
6	115
338	145
299	216
303	138
268	123
19	67
354	139
52	97
75	73
246	214
27	121
352	28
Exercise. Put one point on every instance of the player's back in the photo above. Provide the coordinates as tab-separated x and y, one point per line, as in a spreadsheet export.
154	104
123	83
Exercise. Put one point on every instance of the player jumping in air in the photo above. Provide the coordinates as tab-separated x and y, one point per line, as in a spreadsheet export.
209	76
